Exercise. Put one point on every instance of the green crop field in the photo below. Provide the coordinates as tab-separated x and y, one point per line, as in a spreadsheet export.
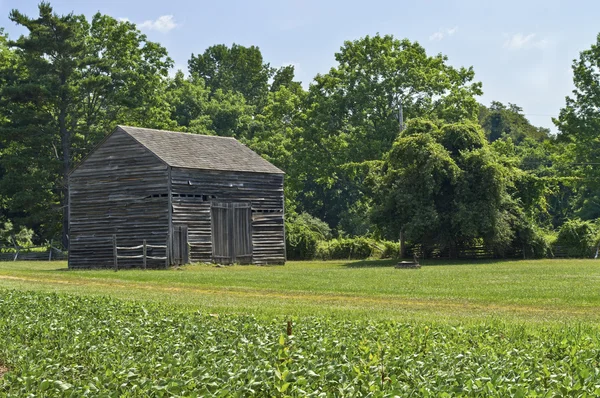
358	328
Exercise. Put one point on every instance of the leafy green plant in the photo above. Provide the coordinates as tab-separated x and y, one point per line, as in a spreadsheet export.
70	346
577	238
356	248
303	233
13	236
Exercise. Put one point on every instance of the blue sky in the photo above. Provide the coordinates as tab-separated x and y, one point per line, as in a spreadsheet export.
522	51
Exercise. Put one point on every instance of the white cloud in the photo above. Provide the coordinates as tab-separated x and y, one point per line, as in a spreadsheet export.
520	41
163	24
442	33
452	31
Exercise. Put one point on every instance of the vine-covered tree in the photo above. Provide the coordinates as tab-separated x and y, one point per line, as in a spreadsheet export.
353	113
433	179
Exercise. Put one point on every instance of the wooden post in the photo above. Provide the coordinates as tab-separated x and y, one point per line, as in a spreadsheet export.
50	250
402	245
17	248
144	253
114	238
167	252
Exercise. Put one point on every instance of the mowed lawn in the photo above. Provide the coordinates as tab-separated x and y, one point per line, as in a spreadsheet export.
531	291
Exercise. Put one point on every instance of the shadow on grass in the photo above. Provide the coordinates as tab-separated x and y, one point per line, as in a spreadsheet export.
370	263
425	263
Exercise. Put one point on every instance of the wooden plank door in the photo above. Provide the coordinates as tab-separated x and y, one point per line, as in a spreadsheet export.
220	233
181	253
231	233
242	233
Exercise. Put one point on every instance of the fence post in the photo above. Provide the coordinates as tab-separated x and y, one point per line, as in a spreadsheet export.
144	253
50	250
167	252
402	245
114	239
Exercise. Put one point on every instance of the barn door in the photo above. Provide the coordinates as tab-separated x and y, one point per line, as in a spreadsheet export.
181	254
232	233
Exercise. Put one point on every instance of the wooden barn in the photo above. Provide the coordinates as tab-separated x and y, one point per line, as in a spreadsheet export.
190	197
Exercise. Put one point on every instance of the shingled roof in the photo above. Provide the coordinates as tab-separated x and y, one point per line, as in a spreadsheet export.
195	151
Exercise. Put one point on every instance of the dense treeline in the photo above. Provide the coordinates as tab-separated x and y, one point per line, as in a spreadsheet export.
455	173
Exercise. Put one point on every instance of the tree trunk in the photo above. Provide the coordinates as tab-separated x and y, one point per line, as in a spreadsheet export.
402	245
65	140
453	252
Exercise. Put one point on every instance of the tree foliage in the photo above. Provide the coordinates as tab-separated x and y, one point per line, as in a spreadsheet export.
353	112
458	173
579	123
507	121
237	68
432	180
69	83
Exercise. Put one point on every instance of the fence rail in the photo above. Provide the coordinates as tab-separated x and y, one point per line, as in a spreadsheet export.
15	253
144	256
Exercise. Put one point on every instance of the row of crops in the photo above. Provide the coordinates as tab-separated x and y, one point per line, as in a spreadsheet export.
70	346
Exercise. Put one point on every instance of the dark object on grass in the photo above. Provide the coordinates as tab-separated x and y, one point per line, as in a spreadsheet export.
409	264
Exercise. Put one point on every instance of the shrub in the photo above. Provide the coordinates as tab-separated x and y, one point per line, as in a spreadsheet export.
15	236
534	241
356	249
390	249
303	233
577	238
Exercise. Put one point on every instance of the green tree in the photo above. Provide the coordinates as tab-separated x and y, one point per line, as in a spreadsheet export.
75	81
579	123
237	69
501	121
352	113
284	77
444	186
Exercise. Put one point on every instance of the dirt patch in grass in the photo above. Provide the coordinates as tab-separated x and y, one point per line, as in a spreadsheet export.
3	370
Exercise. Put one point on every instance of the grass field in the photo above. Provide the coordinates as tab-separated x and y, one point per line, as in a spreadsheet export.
524	291
358	328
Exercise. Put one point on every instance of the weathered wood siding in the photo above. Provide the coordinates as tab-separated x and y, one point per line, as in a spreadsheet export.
194	190
122	189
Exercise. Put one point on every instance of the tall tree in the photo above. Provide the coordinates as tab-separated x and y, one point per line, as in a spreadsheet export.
508	121
579	125
433	179
76	81
353	112
196	110
237	68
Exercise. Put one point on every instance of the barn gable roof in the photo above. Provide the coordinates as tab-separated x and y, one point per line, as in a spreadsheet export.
195	151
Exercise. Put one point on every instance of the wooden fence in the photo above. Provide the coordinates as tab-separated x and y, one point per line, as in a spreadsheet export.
474	252
144	256
31	253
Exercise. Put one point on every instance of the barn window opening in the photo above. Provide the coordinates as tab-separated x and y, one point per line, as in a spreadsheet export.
157	195
265	211
203	198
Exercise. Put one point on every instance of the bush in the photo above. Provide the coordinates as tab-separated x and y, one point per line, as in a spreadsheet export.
534	241
303	233
13	236
577	238
390	249
356	249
